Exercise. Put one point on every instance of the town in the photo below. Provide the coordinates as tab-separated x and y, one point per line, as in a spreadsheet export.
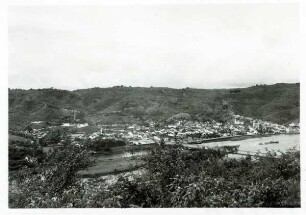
178	131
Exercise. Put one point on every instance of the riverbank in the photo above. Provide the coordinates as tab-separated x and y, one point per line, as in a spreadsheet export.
232	138
126	158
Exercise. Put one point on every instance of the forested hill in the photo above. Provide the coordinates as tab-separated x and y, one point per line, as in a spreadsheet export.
278	103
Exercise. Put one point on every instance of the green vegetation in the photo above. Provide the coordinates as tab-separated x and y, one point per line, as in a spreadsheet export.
172	177
52	183
22	147
105	166
100	144
18	154
54	136
277	103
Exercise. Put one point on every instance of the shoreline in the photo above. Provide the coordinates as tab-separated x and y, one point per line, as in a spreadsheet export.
235	138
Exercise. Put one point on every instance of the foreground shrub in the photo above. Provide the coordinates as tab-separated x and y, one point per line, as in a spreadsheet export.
172	177
52	183
178	178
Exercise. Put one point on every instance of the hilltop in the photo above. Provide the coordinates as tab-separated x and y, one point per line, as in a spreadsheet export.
278	103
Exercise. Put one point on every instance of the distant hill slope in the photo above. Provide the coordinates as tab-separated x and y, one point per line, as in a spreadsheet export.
277	103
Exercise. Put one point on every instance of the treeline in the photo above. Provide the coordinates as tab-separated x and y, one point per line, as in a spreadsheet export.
100	144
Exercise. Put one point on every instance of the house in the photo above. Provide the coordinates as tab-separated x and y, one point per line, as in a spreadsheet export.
293	128
94	135
238	122
77	135
82	125
67	125
156	139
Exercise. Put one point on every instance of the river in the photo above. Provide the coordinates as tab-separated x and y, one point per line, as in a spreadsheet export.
252	145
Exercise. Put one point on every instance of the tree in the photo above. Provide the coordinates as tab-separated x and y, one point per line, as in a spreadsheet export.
28	129
53	179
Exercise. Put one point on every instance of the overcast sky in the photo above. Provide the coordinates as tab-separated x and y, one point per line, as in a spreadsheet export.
201	46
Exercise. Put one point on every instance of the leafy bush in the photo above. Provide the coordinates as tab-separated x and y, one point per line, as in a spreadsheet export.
172	177
178	178
54	136
105	144
19	151
52	183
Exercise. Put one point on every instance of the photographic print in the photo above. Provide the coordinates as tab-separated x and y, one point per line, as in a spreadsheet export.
154	106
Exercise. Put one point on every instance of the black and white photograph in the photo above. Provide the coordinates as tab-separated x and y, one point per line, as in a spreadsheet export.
190	105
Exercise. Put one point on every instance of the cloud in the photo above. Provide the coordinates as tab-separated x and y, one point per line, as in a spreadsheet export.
203	46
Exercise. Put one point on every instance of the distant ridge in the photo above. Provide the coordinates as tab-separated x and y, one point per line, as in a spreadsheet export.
278	103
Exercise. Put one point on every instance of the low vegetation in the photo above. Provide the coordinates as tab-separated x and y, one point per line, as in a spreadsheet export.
171	177
100	144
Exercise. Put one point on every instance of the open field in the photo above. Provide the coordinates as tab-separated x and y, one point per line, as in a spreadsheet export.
111	166
17	138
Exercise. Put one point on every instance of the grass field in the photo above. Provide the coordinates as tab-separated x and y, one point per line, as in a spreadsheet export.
110	166
17	138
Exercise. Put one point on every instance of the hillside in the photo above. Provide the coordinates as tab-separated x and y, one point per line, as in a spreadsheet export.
277	103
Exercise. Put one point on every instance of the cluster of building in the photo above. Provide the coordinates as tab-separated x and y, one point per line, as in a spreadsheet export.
185	130
180	130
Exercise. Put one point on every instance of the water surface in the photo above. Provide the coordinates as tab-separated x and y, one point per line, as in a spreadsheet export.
286	141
